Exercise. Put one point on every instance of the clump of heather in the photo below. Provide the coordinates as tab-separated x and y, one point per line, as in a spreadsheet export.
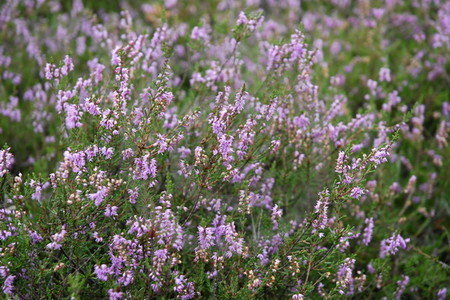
224	149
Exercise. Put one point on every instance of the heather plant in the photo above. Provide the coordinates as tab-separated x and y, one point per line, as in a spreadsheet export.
224	149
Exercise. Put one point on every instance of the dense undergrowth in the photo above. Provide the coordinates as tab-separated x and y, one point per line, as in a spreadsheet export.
224	149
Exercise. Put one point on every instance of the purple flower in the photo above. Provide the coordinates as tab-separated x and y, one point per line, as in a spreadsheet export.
321	209
241	99
184	152
113	295
8	285
161	254
345	276
201	33
51	71
277	213
4	271
442	294
184	288
219	123
99	196
97	237
6	161
4	234
126	279
144	168
169	4
107	152
205	237
235	244
110	211
357	192
127	153
250	23
242	19
133	195
367	235
225	148
390	246
68	65
372	85
246	137
380	155
297	297
165	98
410	187
162	143
370	268
11	109
102	272
48	71
90	107
340	163
76	160
35	237
401	286
385	74
57	239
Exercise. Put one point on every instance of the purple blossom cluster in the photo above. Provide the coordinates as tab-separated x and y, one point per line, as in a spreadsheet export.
391	245
187	149
6	161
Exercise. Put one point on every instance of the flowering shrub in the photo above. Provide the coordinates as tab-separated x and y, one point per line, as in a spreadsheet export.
192	149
